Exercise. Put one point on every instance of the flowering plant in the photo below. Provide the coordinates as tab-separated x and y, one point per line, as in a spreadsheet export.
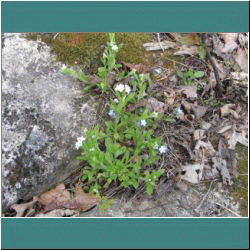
118	153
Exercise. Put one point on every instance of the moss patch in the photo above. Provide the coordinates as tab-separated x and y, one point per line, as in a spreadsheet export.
239	189
86	48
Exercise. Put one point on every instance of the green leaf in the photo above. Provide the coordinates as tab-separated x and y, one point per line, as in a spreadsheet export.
120	151
102	72
179	74
69	72
190	73
149	188
199	74
202	52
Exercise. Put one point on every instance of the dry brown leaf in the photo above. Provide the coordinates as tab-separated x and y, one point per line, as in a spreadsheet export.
242	59
205	125
59	193
154	105
140	68
221	166
204	149
224	129
237	137
59	198
230	43
189	91
192	173
21	208
170	96
199	134
187	106
239	76
243	40
199	111
59	213
187	50
230	109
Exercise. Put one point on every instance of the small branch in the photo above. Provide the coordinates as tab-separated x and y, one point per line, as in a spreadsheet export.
158	38
204	197
228	209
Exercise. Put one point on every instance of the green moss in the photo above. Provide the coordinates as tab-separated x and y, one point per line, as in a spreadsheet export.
240	188
86	48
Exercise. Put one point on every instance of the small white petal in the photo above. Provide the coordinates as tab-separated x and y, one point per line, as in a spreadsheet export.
114	48
143	123
163	149
119	87
127	89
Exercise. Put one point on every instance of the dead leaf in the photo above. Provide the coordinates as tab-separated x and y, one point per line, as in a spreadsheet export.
230	109
189	91
192	173
224	129
221	165
230	43
140	68
187	106
237	137
59	198
59	213
170	96
242	59
205	125
204	149
199	134
239	76
154	105
199	111
21	208
59	193
243	40
187	50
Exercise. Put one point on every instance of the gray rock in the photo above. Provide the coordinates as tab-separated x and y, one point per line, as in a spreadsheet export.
42	113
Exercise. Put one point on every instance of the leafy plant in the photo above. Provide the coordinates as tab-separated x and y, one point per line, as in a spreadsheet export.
189	76
117	152
109	65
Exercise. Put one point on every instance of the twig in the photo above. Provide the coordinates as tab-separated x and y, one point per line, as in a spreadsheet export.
158	38
177	62
204	197
216	74
228	209
55	36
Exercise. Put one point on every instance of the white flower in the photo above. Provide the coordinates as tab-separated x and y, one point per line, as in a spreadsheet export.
116	100
18	185
179	111
127	89
163	149
119	87
143	123
79	142
115	48
112	114
64	67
